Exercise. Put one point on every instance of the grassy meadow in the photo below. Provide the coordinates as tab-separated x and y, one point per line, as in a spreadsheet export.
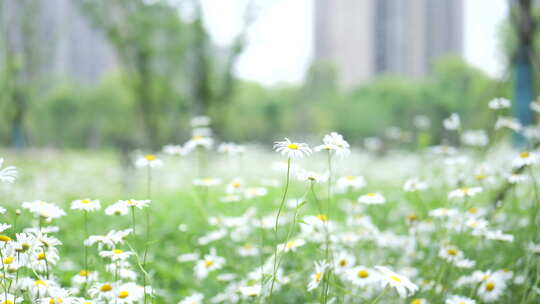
198	224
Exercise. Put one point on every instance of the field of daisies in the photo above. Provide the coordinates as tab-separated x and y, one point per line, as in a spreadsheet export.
295	221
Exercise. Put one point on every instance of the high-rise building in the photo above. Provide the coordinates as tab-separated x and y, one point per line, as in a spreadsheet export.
67	44
365	38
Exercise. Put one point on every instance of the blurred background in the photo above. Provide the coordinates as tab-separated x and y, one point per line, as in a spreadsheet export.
126	74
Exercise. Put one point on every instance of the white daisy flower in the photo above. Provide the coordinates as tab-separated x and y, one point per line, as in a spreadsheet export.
464	192
111	239
372	198
535	105
128	293
362	276
175	150
200	121
207	182
8	298
291	245
248	250
515	178
475	138
149	160
196	298
8	174
235	186
250	291
450	253
318	275
414	184
4	227
102	291
310	176
459	300
401	284
508	122
491	289
139	204
116	254
118	208
349	182
209	263
443	212
292	149
231	149
499	103
343	261
58	296
334	142
202	141
86	205
253	192
453	122
84	276
525	158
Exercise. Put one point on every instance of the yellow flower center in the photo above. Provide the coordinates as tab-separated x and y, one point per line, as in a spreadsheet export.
349	178
57	301
84	273
490	286
236	185
123	294
412	217
105	288
208	263
41	256
452	252
524	154
40	282
8	260
416	301
372	194
150	157
292	146
322	217
24	247
394	278
290	244
473	210
465	190
362	274
197	137
5	238
8	302
118	251
86	201
318	276
343	263
481	176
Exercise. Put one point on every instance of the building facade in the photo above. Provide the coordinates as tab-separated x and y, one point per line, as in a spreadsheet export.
366	38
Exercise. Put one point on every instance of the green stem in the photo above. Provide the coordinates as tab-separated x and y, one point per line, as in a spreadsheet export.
276	241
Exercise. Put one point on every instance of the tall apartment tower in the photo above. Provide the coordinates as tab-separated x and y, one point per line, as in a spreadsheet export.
69	45
365	38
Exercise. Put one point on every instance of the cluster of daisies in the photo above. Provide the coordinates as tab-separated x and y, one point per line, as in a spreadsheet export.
30	256
457	225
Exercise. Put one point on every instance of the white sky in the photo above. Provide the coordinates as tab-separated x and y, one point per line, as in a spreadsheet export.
280	42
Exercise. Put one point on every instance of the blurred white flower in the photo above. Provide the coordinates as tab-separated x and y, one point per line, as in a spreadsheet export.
8	174
499	103
372	198
453	122
401	284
